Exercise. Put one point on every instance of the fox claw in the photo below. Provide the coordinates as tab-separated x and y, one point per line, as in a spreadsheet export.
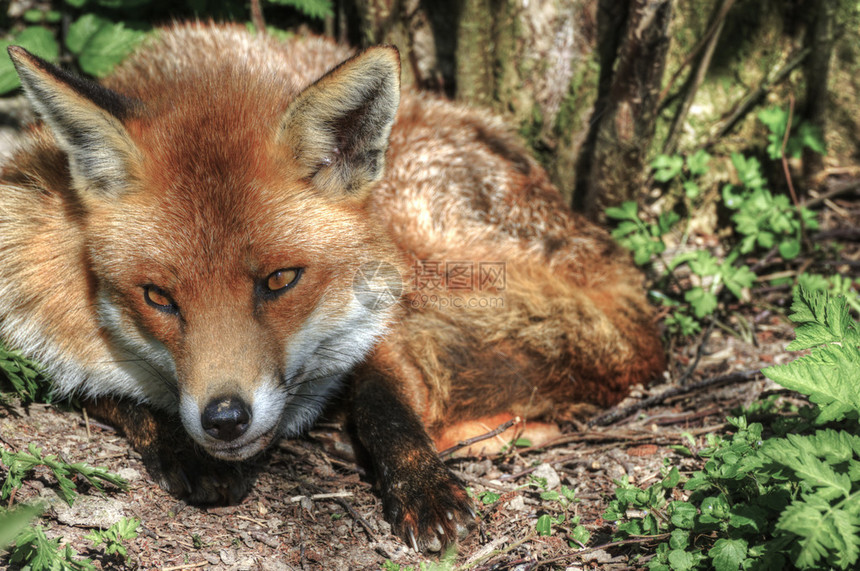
429	508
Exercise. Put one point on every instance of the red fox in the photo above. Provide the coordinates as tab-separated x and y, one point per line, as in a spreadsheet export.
230	230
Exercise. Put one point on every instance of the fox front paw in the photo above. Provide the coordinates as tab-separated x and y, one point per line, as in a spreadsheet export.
428	507
200	479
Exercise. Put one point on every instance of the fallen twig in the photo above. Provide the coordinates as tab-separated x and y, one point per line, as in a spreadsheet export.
463	444
613	416
328	496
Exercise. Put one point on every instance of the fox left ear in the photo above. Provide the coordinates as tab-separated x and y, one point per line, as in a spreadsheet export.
338	128
87	121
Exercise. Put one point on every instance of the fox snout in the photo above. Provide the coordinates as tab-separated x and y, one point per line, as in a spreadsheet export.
226	418
233	426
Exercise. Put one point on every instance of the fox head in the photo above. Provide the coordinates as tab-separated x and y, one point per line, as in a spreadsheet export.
225	221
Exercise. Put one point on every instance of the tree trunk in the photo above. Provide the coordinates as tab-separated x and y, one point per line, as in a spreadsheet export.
527	60
613	167
822	40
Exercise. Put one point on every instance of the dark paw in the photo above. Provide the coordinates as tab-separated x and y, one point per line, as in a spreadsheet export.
427	506
200	479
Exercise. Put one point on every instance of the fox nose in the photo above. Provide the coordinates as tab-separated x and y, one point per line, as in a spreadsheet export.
226	418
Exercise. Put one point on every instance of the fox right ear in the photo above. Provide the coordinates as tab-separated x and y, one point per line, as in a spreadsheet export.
338	128
86	120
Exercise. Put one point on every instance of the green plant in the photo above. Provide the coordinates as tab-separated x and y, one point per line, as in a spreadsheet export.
104	32
114	536
561	502
835	284
668	167
20	464
14	521
761	221
776	120
788	500
764	220
25	376
35	552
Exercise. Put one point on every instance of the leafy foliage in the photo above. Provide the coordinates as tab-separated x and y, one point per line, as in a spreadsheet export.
561	503
761	221
25	376
20	464
38	553
104	32
776	120
14	521
114	536
778	502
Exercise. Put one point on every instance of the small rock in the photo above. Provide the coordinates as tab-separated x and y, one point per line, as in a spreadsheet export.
518	503
87	511
129	474
228	556
546	471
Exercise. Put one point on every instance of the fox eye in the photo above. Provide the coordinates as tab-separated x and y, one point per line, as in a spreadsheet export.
282	280
159	299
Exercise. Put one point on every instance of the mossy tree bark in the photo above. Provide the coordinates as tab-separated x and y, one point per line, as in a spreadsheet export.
527	60
822	39
613	162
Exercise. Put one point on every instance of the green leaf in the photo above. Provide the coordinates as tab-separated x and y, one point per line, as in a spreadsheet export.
691	189
704	264
749	171
737	278
672	478
728	554
703	302
580	534
792	453
810	136
681	560
544	525
697	163
821	531
829	373
100	43
666	168
682	514
628	210
14	521
38	40
789	248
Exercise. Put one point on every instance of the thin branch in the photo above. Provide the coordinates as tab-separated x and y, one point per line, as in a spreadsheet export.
704	64
752	99
613	416
852	186
257	16
463	444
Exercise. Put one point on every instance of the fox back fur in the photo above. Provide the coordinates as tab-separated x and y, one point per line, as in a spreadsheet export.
230	229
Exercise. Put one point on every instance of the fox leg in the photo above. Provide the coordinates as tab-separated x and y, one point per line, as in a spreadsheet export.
424	502
171	457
